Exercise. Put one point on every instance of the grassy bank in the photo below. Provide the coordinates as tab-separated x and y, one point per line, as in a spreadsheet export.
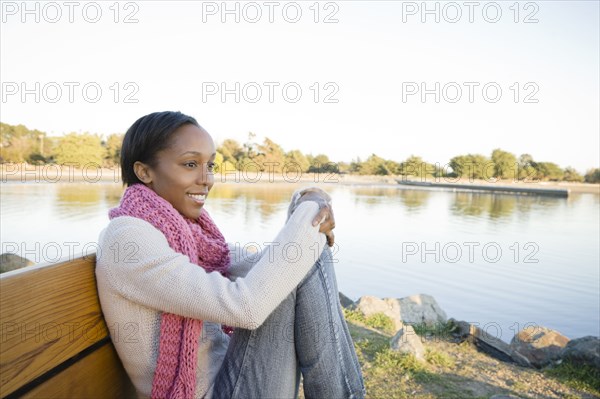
455	370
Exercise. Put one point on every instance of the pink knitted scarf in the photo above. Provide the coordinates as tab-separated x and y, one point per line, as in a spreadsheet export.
203	243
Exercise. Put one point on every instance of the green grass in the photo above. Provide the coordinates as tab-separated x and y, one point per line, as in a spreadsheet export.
441	331
387	358
393	375
378	321
439	359
582	377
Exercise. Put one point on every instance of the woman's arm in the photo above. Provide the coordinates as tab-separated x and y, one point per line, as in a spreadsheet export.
157	277
241	260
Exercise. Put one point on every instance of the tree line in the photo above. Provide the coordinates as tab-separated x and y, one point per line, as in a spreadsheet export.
19	144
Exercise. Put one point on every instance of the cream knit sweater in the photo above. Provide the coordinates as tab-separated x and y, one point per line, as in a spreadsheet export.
139	276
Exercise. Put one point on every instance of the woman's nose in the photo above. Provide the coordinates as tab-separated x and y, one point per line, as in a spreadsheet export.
205	175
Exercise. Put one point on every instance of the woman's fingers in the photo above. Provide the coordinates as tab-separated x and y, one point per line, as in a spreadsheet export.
327	222
330	238
323	214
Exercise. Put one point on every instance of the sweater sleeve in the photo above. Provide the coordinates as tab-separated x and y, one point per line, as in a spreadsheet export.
242	260
148	272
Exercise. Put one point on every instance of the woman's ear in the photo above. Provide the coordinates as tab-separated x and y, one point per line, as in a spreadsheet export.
142	171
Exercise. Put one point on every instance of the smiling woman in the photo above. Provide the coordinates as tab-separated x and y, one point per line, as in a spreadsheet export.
225	334
182	176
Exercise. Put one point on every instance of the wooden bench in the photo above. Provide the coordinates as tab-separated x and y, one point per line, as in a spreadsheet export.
54	342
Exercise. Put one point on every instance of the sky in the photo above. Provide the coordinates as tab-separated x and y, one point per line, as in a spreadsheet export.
344	78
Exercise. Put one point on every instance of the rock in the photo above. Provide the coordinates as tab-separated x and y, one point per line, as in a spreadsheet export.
540	345
346	302
10	262
407	341
505	396
584	350
415	309
520	359
488	343
462	328
421	309
370	305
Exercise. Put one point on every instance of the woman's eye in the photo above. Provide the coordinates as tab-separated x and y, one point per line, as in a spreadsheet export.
211	165
190	164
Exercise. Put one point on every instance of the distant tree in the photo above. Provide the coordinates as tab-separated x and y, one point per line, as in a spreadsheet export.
344	167
270	156
249	152
416	167
505	164
310	158
570	174
35	158
548	171
79	149
232	151
473	166
222	166
322	164
525	159
298	158
113	149
250	146
375	165
592	176
355	166
527	168
219	162
392	166
17	143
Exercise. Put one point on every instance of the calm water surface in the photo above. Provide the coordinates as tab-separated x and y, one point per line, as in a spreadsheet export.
498	260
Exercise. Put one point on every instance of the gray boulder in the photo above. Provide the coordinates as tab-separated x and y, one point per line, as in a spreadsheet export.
541	346
10	262
421	309
370	305
407	341
414	309
584	350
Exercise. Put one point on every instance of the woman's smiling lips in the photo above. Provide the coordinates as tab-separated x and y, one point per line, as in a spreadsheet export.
198	198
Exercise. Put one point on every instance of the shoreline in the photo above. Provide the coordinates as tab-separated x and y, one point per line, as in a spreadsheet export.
67	174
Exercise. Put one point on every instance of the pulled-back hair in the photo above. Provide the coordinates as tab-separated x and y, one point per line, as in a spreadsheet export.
146	137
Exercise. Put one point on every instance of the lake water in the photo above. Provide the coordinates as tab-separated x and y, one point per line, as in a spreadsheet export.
502	261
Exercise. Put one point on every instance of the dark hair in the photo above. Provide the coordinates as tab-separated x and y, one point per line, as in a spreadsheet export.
147	136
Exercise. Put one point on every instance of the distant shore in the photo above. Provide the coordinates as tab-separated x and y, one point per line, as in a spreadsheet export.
67	174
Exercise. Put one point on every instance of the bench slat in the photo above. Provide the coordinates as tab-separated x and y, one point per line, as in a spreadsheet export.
47	315
99	375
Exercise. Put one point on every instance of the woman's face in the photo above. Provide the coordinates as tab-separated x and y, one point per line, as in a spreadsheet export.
183	173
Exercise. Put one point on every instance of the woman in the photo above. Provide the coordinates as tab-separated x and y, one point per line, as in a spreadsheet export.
190	317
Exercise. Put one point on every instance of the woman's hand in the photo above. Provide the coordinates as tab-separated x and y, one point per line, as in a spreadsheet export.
325	215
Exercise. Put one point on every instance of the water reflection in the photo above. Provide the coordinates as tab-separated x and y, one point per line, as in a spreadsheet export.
411	199
414	199
86	195
113	194
264	199
499	206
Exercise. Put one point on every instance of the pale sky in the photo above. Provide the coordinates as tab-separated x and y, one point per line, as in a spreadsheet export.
375	61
